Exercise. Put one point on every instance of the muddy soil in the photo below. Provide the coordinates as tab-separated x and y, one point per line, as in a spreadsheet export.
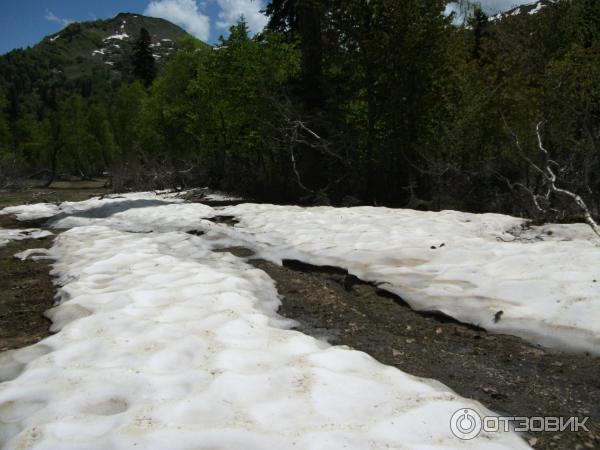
26	291
504	373
60	191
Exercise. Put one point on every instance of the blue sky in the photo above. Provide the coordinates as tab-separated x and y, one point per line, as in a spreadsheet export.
24	23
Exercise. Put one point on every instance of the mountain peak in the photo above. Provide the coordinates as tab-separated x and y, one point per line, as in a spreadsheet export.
81	46
529	8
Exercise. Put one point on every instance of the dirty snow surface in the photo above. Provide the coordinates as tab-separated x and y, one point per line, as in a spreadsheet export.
162	343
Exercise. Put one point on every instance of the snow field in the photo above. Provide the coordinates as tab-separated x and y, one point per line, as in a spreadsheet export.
162	343
471	267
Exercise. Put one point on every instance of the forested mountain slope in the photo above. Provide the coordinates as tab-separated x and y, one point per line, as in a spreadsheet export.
79	58
335	102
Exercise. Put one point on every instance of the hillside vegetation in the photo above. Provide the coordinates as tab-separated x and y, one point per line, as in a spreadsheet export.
378	103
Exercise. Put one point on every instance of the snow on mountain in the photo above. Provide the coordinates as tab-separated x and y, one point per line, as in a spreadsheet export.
85	45
529	8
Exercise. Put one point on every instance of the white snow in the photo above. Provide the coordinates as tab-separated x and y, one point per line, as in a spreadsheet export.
547	285
7	235
117	36
53	39
537	9
99	52
70	214
162	343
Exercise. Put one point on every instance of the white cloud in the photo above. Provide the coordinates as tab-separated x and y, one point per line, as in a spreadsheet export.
51	17
185	13
231	10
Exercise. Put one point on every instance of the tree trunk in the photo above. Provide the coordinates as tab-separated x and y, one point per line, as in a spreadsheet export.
309	27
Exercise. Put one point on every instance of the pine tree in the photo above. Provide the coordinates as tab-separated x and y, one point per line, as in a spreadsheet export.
144	68
479	23
304	18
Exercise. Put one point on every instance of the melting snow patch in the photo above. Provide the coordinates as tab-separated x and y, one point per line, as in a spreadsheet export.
162	343
117	36
18	235
545	279
537	9
53	39
468	266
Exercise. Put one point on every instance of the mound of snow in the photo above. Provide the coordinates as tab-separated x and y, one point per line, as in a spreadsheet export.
94	207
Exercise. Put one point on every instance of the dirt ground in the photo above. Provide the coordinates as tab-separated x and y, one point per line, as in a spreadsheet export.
60	191
26	291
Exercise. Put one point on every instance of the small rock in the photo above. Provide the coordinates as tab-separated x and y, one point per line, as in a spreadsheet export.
498	316
532	441
439	331
410	341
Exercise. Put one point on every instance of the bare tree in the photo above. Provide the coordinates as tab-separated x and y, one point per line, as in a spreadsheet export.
295	133
548	173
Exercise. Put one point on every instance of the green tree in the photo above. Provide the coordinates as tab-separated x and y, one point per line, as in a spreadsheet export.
126	121
5	138
102	144
304	18
144	66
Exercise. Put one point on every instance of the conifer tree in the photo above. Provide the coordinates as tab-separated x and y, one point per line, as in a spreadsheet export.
144	68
